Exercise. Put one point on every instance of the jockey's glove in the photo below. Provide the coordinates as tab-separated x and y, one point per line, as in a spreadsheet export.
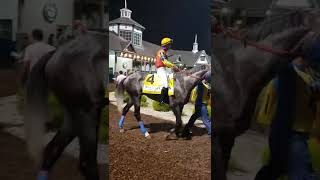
168	63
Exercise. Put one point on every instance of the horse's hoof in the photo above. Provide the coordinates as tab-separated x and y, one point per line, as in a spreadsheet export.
121	130
171	136
178	134
147	135
172	130
187	136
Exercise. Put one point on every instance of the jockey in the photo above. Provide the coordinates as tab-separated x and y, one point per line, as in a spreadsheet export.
162	63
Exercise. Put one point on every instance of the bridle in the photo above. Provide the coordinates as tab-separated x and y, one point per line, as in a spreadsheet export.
246	42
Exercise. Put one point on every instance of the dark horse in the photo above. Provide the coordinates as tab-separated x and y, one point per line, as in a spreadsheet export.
76	74
241	72
184	82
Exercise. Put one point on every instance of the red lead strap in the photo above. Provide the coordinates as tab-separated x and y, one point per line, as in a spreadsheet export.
237	36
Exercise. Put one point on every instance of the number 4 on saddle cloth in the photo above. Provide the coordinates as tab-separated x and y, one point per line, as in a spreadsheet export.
152	84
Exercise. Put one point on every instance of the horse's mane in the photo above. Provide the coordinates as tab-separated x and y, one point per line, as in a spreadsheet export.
275	24
89	45
274	29
194	69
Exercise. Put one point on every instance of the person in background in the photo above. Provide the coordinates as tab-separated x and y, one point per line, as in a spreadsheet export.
18	53
120	77
202	100
34	52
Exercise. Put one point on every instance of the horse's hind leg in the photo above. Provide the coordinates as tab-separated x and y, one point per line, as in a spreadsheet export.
123	115
57	145
177	110
137	115
88	139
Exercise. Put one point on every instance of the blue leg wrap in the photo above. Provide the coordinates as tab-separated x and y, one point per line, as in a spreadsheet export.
121	121
142	128
43	175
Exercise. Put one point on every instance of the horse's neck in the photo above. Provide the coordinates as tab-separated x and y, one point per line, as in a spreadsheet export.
241	74
192	80
184	84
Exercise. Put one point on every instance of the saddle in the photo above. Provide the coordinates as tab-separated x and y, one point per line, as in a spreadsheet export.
152	84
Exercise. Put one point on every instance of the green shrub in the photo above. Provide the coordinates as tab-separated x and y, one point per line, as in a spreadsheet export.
144	102
56	111
160	107
143	98
126	97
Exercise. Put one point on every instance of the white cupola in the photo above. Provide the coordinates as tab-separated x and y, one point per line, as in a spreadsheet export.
125	12
195	45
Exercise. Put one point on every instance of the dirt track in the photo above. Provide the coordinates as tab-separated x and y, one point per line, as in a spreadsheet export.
134	157
15	163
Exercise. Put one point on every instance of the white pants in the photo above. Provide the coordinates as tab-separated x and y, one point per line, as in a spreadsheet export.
162	73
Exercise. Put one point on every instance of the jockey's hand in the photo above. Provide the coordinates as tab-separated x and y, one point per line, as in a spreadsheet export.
175	69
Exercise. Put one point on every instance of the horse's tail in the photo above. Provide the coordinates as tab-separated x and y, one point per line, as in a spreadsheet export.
36	107
120	95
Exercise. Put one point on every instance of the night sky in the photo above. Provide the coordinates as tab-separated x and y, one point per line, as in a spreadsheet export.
178	19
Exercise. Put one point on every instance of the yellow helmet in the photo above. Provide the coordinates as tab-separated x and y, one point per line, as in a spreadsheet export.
166	41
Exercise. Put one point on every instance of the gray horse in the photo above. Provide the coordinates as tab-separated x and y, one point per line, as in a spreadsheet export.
241	72
184	82
76	74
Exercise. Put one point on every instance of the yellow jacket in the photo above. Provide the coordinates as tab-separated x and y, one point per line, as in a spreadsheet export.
206	99
305	119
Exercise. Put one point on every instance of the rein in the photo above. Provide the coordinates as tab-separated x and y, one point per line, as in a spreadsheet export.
190	74
239	37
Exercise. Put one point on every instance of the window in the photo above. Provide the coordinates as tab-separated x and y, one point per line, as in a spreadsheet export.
6	29
202	58
137	38
127	35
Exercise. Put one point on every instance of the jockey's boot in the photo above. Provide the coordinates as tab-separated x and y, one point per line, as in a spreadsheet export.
164	95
